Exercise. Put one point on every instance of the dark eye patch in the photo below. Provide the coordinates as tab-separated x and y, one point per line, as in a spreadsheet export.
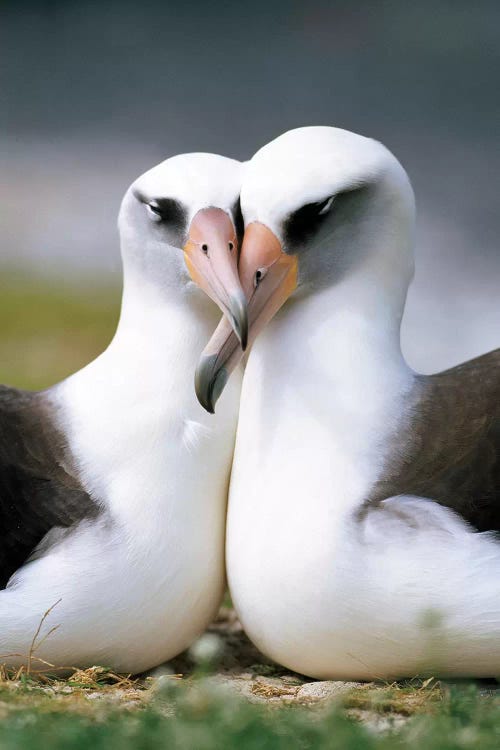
169	210
303	223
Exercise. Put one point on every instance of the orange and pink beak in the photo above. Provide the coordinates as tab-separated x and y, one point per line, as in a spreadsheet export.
211	256
268	276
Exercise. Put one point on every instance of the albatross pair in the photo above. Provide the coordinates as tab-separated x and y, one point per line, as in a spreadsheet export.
358	488
364	497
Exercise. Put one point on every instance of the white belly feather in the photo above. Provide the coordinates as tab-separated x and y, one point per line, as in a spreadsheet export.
318	589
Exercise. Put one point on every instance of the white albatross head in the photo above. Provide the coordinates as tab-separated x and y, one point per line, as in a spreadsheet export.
180	223
321	205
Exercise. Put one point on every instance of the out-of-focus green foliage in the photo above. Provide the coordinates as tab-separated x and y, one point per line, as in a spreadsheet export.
203	717
49	329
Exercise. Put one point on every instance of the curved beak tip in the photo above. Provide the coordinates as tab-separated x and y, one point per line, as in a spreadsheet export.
209	382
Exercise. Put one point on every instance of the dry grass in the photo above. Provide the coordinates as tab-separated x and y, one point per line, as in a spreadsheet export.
405	698
274	691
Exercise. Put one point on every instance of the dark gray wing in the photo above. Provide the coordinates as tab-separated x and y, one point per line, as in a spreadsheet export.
449	448
37	489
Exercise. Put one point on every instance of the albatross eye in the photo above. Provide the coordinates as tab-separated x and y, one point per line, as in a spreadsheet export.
325	206
154	210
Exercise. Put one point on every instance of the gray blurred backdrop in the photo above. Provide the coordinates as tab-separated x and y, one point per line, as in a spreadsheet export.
94	93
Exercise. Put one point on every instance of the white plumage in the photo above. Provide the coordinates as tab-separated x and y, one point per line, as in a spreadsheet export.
324	582
137	584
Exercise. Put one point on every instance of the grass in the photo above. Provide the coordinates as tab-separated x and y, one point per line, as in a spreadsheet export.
195	715
47	331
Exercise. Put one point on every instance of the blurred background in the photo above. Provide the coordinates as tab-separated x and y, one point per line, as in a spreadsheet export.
94	93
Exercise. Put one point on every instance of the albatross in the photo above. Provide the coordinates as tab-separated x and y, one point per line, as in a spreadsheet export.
113	483
364	507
